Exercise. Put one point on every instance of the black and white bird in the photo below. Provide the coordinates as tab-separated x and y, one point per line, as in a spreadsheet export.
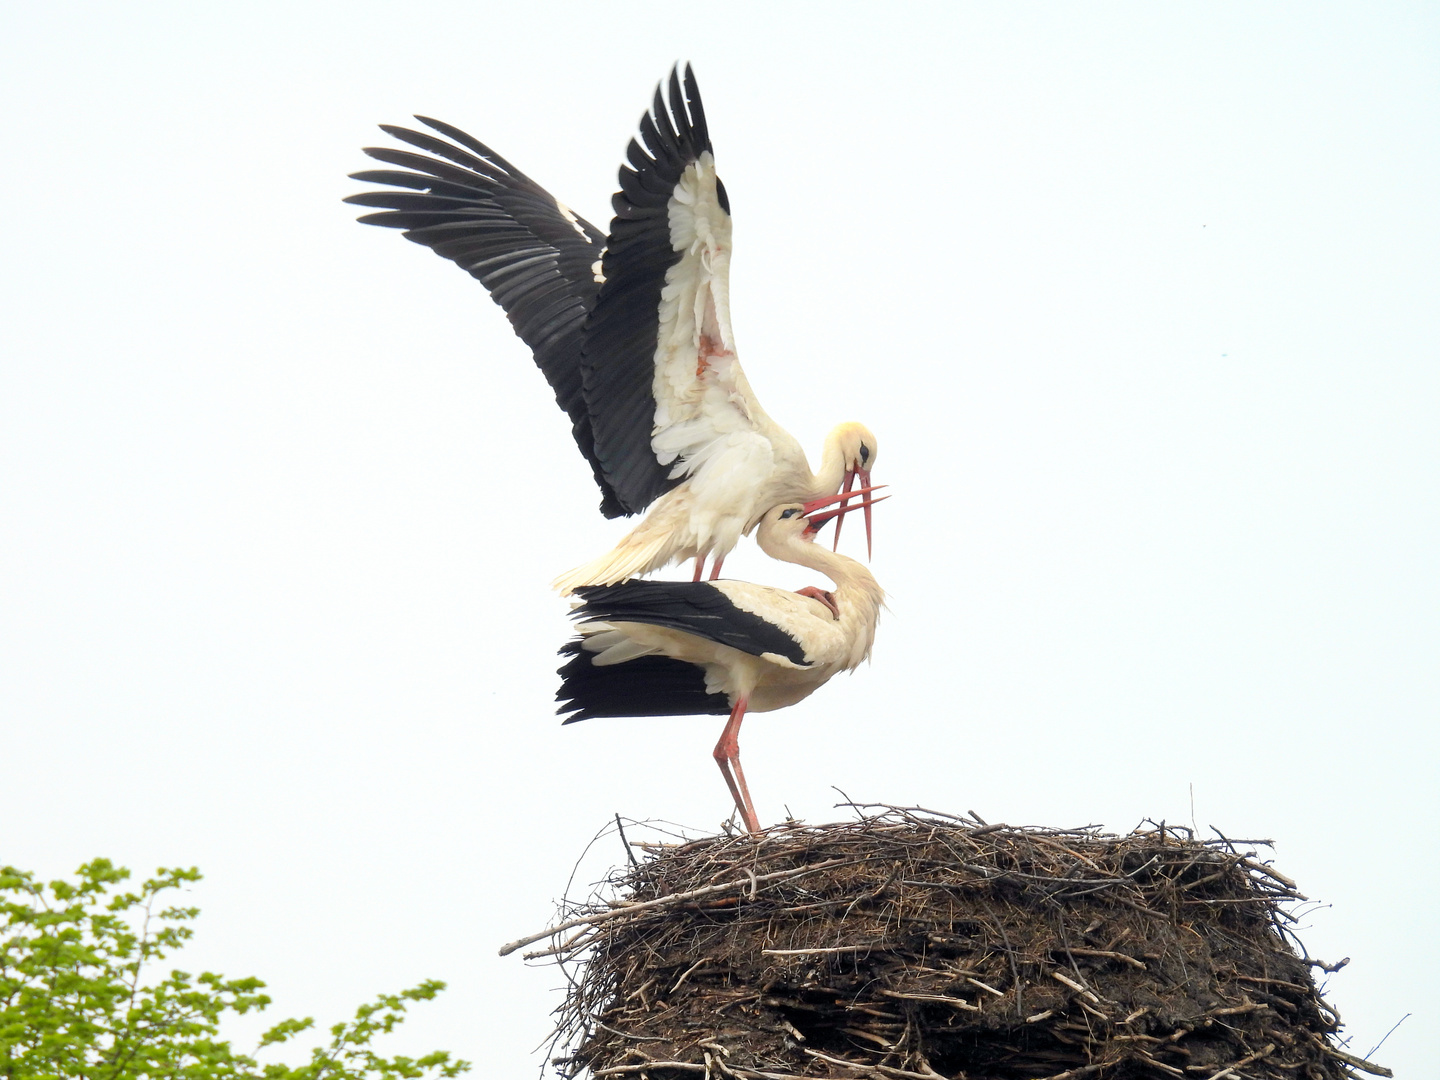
632	330
677	648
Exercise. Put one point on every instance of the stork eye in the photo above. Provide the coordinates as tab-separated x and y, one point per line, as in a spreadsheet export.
789	513
864	453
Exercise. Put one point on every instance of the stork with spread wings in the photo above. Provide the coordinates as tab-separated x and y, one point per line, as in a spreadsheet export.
632	330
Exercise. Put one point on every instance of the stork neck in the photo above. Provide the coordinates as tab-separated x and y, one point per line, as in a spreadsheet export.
858	596
832	463
847	574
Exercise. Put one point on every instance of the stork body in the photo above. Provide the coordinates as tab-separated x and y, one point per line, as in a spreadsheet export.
652	648
631	330
707	518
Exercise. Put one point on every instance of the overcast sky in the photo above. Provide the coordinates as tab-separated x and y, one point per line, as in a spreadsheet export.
1140	299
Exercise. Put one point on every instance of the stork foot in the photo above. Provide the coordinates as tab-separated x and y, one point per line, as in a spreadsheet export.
823	595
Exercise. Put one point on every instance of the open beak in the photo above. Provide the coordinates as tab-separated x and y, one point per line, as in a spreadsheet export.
864	477
818	520
842	498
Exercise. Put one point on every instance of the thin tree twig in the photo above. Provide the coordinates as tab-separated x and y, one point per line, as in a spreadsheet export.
665	901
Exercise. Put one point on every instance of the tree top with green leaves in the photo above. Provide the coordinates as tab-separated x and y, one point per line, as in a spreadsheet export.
79	997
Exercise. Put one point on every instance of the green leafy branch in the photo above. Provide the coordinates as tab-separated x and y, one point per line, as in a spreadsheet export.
75	1001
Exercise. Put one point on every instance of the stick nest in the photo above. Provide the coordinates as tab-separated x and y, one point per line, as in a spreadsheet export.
916	946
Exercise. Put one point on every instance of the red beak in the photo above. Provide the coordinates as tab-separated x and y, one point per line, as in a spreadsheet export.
818	521
842	498
864	475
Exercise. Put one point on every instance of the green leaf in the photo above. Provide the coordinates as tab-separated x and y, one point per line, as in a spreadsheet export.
79	996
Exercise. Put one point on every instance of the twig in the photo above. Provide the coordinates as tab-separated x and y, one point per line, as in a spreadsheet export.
984	986
883	1070
1060	976
1010	956
1271	982
617	1070
1272	873
958	1003
1229	1070
902	809
817	952
1254	1006
1108	955
716	1059
868	1036
630	854
1387	1035
1084	1070
1161	1065
1093	1012
628	1035
688	972
664	901
564	946
1351	1060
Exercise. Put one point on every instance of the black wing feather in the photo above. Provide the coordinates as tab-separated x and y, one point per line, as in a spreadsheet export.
595	343
693	607
470	205
647	686
697	109
621	331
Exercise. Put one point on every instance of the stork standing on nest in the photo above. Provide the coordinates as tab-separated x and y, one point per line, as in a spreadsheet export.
632	331
667	648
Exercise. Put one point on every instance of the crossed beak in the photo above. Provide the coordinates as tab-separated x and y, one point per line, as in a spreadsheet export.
845	495
818	520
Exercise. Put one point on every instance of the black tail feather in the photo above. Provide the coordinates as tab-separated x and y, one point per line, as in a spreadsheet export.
645	686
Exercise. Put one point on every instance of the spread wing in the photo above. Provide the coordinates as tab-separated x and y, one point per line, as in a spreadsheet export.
538	260
693	607
665	392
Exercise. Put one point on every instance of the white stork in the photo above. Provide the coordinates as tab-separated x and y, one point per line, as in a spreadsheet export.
632	330
676	648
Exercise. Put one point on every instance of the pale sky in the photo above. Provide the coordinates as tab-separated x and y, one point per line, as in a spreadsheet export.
1139	299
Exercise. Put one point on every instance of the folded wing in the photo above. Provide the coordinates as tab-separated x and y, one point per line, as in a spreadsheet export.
692	607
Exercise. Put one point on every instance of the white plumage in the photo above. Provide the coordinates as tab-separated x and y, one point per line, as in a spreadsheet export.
632	329
734	462
748	647
734	487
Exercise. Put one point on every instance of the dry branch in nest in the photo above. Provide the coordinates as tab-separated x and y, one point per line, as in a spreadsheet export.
913	946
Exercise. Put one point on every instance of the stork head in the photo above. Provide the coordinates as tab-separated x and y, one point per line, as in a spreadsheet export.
805	520
785	521
858	447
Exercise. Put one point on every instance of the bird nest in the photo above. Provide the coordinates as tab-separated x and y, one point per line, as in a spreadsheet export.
918	946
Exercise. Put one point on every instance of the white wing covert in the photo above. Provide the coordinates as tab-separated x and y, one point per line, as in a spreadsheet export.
659	340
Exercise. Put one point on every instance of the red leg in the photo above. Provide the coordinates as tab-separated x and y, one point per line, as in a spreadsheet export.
699	567
715	570
727	756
